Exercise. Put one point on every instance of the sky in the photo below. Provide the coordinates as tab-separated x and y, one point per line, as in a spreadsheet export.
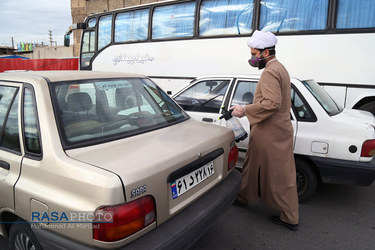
28	21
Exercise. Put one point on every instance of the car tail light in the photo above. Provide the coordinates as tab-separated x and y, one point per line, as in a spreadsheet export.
233	157
368	148
128	219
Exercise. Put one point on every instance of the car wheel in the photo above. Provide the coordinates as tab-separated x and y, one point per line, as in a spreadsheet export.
22	237
307	180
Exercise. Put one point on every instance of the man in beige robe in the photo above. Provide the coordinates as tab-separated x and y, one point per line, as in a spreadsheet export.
269	168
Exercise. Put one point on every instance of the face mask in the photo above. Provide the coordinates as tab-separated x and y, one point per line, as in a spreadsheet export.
257	61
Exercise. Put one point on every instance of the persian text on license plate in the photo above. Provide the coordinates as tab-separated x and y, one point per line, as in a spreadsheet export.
187	182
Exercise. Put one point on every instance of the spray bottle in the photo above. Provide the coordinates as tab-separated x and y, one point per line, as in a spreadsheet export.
234	124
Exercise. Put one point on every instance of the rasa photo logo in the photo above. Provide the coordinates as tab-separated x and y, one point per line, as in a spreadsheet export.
72	217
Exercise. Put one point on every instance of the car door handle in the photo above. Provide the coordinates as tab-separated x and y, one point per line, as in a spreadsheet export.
4	165
208	120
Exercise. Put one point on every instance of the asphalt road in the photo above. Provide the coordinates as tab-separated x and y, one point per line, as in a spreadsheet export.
337	217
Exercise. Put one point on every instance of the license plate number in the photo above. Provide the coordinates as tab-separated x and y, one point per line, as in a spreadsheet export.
187	182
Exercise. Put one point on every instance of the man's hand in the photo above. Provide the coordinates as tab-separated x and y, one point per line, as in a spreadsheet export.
238	111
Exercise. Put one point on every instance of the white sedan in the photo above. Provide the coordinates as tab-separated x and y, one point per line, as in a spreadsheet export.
331	144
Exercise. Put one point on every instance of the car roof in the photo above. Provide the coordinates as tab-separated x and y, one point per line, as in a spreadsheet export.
256	76
62	75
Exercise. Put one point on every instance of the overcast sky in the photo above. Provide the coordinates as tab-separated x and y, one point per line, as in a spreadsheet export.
28	21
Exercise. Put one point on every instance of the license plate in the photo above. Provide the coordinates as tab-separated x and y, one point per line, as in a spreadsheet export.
187	182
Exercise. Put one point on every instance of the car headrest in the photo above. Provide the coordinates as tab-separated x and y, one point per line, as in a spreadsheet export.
248	97
80	101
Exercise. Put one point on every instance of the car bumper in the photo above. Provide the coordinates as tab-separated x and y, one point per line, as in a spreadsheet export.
345	172
180	232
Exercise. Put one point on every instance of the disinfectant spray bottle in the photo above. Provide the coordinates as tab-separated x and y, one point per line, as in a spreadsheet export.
234	124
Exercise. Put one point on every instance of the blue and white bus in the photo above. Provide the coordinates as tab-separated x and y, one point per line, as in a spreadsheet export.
172	42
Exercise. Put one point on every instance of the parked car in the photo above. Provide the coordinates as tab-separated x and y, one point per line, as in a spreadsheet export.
102	160
331	144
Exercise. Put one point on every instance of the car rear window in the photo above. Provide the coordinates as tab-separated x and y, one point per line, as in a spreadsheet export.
92	111
324	99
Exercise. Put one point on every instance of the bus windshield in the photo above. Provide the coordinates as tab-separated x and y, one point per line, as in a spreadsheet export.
325	100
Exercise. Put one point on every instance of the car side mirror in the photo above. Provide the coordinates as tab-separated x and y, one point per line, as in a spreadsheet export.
66	40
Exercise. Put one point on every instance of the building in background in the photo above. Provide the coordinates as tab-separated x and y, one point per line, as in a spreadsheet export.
38	51
47	52
6	50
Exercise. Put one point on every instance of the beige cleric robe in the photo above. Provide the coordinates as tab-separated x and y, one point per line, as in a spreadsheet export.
270	151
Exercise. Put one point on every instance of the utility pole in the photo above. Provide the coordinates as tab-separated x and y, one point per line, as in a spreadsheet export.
50	37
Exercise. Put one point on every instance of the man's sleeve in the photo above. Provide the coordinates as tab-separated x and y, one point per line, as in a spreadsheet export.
270	104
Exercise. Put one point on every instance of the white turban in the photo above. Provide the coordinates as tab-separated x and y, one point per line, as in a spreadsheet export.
261	40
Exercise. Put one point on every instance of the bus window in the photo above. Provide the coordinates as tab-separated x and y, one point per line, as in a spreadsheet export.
88	47
88	44
104	32
223	17
353	14
92	22
173	21
131	26
293	15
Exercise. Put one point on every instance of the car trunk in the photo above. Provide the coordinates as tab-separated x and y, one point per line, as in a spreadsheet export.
142	161
356	116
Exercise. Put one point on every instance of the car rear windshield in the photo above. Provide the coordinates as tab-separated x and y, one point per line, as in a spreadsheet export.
94	111
324	99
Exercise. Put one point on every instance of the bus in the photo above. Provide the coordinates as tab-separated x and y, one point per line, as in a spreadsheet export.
173	42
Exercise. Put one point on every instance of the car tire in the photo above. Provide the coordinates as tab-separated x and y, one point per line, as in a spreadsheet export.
307	181
22	237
